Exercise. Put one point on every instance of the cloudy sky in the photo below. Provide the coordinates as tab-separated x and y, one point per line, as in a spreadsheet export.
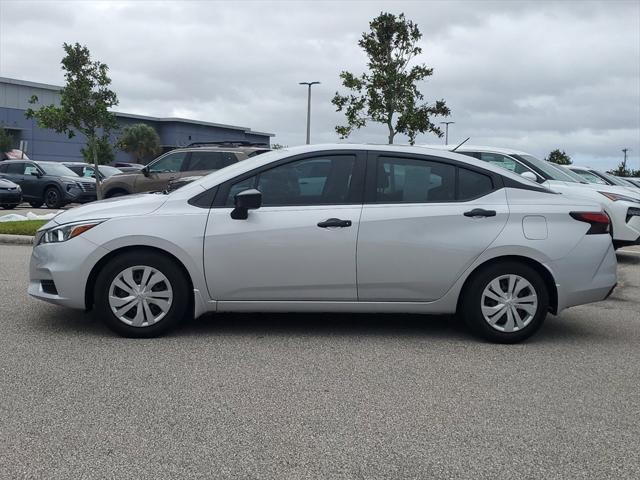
528	75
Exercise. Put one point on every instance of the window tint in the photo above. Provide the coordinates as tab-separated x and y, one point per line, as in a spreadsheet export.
472	184
415	181
211	160
170	163
312	181
3	168
15	168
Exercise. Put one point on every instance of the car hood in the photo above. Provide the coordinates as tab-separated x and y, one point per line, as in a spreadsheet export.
126	206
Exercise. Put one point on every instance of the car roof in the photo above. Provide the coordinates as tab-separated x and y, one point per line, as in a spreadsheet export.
478	148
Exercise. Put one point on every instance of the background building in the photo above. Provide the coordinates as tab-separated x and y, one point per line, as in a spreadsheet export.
45	144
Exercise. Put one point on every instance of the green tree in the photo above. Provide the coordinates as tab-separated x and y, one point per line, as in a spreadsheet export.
387	93
100	147
140	140
85	101
6	142
559	157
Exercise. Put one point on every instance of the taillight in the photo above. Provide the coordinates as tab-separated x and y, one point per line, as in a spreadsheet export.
599	221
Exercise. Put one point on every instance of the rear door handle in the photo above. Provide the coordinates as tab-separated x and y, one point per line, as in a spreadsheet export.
334	222
480	212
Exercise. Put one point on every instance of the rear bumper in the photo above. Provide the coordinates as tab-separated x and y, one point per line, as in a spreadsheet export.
588	274
10	198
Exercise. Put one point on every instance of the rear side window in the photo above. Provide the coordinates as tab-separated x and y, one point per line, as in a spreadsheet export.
473	184
3	168
15	168
406	180
211	160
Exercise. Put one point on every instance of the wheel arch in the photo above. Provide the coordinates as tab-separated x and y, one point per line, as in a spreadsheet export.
89	294
546	275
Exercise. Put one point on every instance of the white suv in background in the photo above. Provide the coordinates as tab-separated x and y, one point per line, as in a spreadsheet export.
621	204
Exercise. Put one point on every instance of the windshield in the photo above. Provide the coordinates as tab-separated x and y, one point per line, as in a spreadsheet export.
57	169
108	171
571	173
613	179
550	170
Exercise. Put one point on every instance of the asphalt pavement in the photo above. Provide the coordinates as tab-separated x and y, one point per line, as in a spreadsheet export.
317	396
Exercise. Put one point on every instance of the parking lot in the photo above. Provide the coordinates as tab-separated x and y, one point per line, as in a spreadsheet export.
317	396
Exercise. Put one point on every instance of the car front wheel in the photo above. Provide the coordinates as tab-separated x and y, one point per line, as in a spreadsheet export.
505	302
141	294
53	198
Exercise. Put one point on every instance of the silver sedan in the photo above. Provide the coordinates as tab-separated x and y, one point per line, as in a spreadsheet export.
355	228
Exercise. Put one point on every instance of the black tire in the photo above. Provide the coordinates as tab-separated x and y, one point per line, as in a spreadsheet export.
9	207
165	265
53	198
472	298
36	204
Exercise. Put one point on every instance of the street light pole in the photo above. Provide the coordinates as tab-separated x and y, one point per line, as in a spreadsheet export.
309	84
446	131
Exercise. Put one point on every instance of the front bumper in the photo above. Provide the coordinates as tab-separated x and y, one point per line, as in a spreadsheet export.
66	266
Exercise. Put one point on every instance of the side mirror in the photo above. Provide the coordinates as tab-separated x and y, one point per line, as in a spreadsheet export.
36	174
529	176
245	201
145	171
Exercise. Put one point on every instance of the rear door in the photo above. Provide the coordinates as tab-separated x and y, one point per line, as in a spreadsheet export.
425	220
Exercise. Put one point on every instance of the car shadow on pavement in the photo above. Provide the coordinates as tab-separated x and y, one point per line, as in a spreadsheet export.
437	327
628	258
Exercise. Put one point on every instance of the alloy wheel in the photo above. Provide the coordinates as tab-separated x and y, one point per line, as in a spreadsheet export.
509	303
140	296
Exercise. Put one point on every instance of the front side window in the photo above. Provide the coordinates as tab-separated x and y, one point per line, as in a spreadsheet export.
211	160
322	180
29	169
168	164
405	180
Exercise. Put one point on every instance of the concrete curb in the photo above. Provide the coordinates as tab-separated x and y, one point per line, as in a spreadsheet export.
16	239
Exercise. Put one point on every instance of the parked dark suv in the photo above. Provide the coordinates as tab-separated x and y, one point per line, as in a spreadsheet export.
194	160
50	183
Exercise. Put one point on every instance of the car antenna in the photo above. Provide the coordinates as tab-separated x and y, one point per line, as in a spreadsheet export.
460	144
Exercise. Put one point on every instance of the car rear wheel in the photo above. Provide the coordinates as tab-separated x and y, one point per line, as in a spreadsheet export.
141	294
506	302
53	198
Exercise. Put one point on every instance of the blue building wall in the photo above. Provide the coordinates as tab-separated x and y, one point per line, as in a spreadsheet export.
44	144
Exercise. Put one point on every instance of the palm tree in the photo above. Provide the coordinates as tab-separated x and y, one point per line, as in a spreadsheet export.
141	140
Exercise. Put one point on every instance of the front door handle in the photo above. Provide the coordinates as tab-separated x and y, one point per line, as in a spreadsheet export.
334	222
480	212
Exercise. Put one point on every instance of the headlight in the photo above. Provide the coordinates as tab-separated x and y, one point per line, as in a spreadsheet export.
615	197
66	232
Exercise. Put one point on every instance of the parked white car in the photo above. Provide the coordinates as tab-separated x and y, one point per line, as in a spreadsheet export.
621	204
350	228
592	175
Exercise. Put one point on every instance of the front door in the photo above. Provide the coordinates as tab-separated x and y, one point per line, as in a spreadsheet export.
417	231
300	245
